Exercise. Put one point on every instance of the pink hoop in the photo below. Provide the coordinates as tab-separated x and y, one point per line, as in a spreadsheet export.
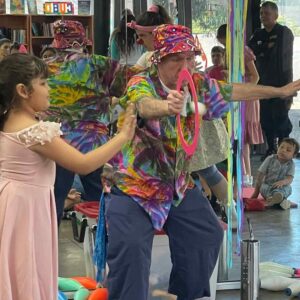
188	148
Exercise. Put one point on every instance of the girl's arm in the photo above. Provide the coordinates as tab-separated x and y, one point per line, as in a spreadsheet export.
71	159
252	72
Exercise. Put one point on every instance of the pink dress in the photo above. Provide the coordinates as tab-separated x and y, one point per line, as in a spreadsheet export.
28	226
253	133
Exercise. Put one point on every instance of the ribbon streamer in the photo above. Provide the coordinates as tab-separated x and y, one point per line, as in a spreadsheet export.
235	45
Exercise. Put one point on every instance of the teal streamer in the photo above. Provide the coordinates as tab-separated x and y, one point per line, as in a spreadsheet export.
101	241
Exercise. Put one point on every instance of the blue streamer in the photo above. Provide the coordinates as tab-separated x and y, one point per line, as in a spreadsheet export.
101	241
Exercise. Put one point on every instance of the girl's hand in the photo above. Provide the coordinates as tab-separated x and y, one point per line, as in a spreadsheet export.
129	124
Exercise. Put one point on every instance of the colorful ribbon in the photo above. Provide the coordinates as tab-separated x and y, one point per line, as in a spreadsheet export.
235	45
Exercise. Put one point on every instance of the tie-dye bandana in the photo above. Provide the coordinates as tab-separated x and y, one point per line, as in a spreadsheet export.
170	39
69	34
152	169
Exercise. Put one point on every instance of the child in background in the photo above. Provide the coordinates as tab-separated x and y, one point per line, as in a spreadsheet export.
4	47
28	149
17	48
218	59
48	53
276	174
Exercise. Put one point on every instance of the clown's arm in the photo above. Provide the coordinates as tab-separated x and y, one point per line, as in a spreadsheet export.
248	91
147	101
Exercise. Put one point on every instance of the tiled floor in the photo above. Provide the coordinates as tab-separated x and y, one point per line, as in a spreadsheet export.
278	232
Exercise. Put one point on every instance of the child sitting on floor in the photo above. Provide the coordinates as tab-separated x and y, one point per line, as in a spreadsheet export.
276	174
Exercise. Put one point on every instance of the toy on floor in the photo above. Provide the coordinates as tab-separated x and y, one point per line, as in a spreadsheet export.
99	294
277	277
61	296
269	265
84	288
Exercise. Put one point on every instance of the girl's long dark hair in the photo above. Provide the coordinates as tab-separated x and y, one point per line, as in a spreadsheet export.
150	18
14	69
120	35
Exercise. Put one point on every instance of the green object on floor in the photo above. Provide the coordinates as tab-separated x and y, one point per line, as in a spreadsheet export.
82	294
68	285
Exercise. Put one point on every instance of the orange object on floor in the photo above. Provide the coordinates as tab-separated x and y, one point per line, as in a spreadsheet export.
99	294
87	282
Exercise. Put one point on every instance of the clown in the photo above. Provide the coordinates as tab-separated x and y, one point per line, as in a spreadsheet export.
153	189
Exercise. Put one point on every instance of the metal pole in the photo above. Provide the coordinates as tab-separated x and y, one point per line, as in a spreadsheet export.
250	282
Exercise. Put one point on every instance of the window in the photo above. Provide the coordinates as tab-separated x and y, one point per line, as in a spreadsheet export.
207	16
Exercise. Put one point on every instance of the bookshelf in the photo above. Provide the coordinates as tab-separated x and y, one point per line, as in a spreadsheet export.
15	27
35	31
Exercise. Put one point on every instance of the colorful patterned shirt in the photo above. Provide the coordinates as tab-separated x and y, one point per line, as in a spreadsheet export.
80	91
152	168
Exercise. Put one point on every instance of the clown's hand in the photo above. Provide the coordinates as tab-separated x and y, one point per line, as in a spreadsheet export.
290	89
175	102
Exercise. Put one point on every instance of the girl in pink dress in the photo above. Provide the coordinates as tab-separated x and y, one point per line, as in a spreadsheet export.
28	152
252	131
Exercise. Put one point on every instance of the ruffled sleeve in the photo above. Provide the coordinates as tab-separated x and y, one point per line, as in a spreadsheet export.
39	133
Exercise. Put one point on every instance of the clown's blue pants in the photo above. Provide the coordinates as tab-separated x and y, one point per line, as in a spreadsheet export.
195	237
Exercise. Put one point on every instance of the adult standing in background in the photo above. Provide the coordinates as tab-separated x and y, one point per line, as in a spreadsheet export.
155	15
273	47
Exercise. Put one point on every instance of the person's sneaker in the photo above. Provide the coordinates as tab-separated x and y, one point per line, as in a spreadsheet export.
276	198
269	201
285	204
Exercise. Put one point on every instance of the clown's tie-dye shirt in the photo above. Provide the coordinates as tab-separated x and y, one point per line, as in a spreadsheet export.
80	91
152	169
